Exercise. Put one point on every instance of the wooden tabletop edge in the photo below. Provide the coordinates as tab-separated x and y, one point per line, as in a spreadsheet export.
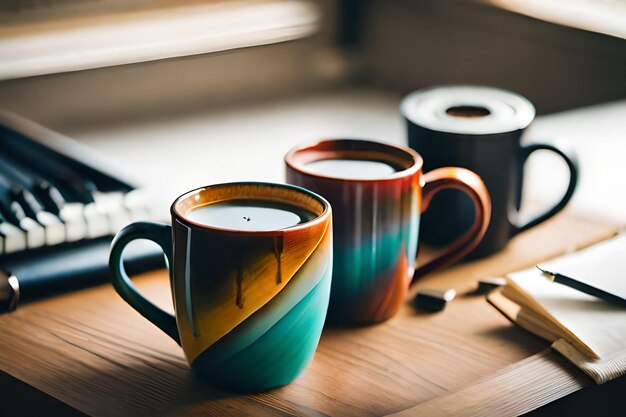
516	389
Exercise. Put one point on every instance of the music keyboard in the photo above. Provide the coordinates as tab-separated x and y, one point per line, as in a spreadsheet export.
60	205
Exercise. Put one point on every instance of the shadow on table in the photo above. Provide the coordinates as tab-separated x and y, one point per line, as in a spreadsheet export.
148	389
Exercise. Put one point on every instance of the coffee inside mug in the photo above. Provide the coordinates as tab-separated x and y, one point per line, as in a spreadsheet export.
468	111
355	161
247	207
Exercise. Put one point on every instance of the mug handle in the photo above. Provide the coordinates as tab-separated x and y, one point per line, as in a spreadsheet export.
572	164
161	234
464	180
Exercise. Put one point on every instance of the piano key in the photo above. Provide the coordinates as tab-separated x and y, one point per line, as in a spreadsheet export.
136	203
2	239
97	222
26	137
112	206
23	185
14	237
53	230
23	209
66	206
9	211
53	227
75	227
69	182
49	196
35	236
35	233
9	215
72	215
26	200
45	194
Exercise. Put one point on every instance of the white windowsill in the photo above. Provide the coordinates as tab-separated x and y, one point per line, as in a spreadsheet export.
77	43
601	16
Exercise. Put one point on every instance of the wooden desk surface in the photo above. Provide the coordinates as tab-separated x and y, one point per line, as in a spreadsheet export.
91	351
94	353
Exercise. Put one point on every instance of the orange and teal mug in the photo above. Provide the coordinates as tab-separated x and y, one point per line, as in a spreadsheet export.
250	271
378	192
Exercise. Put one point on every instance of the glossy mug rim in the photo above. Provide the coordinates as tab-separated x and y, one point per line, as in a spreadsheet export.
291	162
320	218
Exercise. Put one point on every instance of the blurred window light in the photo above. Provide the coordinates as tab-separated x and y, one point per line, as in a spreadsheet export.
44	36
601	16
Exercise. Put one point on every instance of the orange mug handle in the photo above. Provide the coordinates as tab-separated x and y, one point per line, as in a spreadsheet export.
464	180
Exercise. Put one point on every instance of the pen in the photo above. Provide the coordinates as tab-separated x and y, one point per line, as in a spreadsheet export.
582	287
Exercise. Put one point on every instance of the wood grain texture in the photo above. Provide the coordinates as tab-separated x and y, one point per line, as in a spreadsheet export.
537	380
93	352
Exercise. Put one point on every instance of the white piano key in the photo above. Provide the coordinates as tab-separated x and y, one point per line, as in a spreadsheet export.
35	234
112	206
75	225
53	227
14	238
97	222
136	203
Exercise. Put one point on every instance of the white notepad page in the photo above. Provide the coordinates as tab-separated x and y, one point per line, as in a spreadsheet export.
599	325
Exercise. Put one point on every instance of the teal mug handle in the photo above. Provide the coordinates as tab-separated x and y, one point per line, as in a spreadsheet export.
161	234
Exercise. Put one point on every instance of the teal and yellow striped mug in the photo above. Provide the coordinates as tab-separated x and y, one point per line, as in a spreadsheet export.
250	271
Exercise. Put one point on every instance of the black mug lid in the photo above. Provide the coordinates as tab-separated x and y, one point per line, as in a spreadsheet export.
466	109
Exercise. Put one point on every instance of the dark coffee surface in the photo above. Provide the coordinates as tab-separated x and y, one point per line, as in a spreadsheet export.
251	215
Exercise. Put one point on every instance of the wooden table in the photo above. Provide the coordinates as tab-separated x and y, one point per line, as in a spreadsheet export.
89	352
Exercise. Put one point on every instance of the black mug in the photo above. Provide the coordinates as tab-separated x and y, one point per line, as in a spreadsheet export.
478	128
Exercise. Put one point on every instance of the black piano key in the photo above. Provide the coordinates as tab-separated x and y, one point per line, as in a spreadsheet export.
47	195
10	210
22	181
17	214
59	180
27	201
22	202
18	184
3	237
69	182
25	137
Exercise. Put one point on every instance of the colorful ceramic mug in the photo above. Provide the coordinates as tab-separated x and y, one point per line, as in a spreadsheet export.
249	303
378	192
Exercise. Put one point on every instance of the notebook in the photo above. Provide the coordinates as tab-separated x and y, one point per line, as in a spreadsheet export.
589	332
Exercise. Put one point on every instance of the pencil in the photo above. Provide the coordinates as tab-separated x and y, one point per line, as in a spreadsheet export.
582	287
